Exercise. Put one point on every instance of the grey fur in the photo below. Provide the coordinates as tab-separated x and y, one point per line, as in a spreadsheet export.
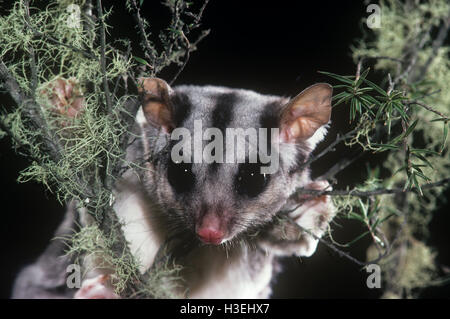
46	278
152	210
217	188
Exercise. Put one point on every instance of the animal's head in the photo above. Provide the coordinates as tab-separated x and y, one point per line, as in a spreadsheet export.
213	186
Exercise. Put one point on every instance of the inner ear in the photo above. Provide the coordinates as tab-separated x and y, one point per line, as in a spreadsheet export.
304	114
155	98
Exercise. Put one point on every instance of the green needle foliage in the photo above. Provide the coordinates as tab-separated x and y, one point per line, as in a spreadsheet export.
406	116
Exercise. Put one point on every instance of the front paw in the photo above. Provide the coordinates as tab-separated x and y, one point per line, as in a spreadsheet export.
96	288
314	216
312	213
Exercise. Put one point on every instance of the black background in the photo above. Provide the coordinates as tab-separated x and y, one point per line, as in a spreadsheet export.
273	47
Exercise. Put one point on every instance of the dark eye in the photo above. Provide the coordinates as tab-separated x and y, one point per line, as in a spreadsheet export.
249	180
180	176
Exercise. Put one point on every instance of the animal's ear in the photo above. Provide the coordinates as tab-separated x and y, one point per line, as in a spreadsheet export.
154	94
304	114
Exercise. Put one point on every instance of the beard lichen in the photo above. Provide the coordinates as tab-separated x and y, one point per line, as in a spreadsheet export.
79	157
406	35
92	249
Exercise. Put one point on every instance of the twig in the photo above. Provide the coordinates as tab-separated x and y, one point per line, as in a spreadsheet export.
429	108
103	54
124	76
437	43
128	118
55	41
329	148
363	58
11	84
413	59
33	67
391	84
191	47
6	129
32	110
148	51
340	252
383	58
341	165
188	51
200	13
358	69
378	191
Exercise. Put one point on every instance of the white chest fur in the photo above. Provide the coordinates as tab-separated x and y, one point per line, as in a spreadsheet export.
209	272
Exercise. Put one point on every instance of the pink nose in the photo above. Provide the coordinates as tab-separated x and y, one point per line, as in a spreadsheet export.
210	236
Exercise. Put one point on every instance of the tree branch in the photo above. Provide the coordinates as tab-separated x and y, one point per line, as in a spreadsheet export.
32	110
148	51
33	67
378	191
340	252
429	108
341	165
437	43
186	59
55	41
191	47
329	148
103	55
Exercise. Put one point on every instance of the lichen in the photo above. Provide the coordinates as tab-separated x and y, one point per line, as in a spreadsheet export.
403	25
78	158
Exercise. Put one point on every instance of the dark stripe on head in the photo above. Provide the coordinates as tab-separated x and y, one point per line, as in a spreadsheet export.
182	108
269	119
223	111
221	117
270	116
